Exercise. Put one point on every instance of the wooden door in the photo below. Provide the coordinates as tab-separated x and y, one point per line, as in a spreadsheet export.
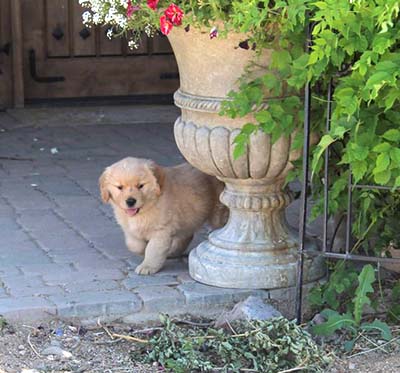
63	58
5	55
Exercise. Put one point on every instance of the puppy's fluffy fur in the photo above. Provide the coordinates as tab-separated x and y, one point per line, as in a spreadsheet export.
159	209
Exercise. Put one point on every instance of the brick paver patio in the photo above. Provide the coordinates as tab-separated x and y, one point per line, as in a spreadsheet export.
61	252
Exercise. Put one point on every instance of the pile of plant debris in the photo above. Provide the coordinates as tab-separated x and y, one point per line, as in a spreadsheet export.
275	345
108	348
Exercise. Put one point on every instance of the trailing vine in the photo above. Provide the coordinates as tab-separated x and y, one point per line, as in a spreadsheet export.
356	45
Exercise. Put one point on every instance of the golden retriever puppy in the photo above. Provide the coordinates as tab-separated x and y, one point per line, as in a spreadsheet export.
159	209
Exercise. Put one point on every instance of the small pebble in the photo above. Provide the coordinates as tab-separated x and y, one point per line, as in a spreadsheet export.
56	351
318	319
59	332
55	343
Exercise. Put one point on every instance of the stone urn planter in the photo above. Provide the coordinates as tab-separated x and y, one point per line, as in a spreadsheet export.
255	249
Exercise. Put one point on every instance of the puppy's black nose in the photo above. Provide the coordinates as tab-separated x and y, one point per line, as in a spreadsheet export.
130	202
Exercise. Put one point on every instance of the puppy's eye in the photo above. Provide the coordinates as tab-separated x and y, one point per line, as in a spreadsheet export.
140	186
120	187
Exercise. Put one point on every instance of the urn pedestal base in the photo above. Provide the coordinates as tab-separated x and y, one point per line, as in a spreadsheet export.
255	249
212	265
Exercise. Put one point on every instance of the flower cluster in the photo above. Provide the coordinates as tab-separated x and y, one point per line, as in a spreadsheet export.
137	16
133	18
172	16
105	12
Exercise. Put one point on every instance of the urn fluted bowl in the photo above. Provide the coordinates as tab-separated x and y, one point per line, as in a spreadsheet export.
256	248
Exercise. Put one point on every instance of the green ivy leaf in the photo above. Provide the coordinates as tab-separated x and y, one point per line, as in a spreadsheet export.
396	183
359	169
377	81
280	59
395	155
392	135
382	177
391	98
358	152
382	147
240	141
338	131
325	141
249	128
347	100
263	116
382	162
270	81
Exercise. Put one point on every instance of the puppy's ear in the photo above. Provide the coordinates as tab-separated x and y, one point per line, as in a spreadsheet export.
159	174
103	184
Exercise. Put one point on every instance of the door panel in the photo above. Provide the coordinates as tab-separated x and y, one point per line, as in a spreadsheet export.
6	88
84	39
161	45
90	63
57	28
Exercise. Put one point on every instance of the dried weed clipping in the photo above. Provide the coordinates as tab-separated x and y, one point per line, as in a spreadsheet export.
274	345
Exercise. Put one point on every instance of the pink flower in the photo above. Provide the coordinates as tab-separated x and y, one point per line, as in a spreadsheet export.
152	4
213	33
131	9
165	25
174	14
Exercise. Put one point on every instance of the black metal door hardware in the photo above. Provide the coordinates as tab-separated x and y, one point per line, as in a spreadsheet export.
6	49
58	33
35	76
84	33
169	76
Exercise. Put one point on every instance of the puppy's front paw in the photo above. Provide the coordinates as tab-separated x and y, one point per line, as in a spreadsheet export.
145	269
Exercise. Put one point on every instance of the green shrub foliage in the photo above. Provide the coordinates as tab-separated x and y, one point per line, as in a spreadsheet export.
355	44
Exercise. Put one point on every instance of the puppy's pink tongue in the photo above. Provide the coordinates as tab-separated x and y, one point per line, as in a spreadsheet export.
132	212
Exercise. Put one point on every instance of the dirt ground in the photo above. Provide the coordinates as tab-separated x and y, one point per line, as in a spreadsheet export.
59	347
371	362
63	347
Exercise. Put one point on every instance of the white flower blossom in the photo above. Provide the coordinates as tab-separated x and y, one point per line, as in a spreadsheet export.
110	33
121	21
133	44
96	18
87	17
149	30
113	13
